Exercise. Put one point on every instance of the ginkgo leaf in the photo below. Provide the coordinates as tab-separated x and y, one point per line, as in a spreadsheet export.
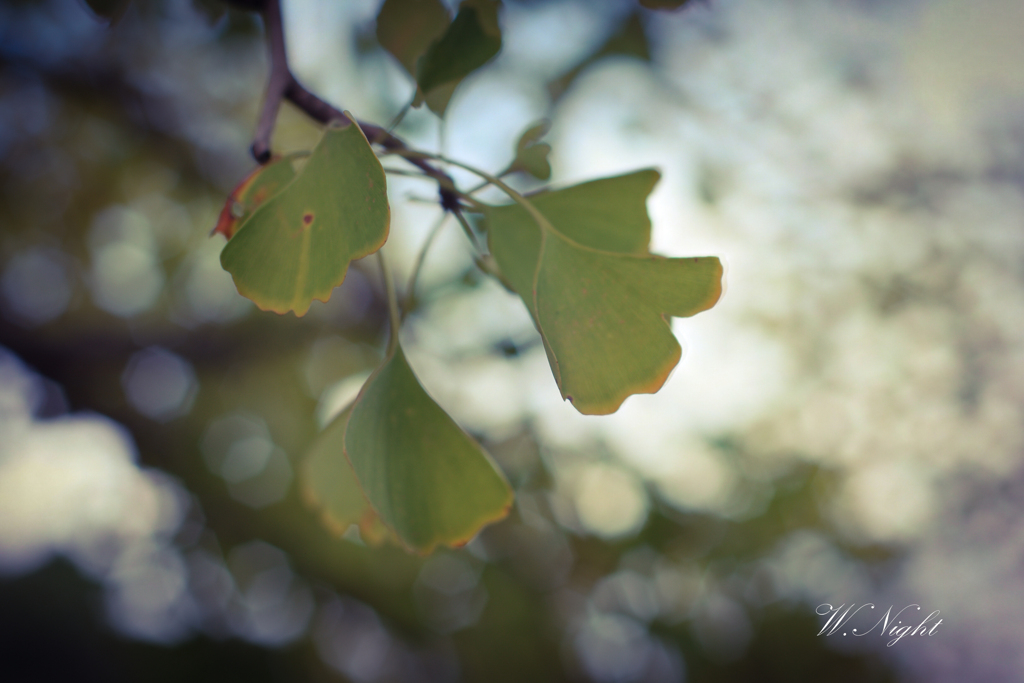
297	246
629	41
438	98
472	40
531	154
598	298
330	486
406	28
259	186
609	214
426	479
327	480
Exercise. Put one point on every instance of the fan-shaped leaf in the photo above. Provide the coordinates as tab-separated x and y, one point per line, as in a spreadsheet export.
629	41
296	246
259	186
328	483
471	41
330	486
609	214
531	154
427	480
598	298
406	28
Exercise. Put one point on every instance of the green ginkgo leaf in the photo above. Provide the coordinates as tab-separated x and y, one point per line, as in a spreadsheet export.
297	245
609	214
472	40
329	485
406	28
327	480
629	41
532	154
598	297
257	188
425	478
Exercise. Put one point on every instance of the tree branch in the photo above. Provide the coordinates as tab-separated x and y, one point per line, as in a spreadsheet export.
283	85
280	79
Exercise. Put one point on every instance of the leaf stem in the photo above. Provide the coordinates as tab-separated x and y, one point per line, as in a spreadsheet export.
410	290
537	216
456	210
404	172
394	315
468	229
487	183
400	116
282	84
480	186
465	196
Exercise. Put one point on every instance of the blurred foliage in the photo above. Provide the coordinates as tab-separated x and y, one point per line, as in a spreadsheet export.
470	41
117	148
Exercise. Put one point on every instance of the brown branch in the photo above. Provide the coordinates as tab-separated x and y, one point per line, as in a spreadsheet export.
280	79
282	85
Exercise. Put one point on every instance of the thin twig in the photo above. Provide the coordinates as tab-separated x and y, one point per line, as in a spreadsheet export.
280	79
410	290
475	204
480	186
282	83
518	198
487	183
464	196
408	174
400	116
469	232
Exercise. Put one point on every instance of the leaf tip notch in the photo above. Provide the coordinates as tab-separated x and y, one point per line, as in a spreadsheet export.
652	386
599	298
718	288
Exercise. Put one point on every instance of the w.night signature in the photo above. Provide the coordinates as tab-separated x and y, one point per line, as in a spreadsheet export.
894	626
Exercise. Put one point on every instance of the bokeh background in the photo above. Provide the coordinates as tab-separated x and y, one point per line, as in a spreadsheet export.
847	424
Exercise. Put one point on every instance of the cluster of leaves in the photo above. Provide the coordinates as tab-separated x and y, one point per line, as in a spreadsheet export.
393	461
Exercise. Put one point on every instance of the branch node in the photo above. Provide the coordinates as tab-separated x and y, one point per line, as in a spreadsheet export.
260	152
283	85
449	199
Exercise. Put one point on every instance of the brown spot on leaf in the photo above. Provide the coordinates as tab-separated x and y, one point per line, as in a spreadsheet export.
307	218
